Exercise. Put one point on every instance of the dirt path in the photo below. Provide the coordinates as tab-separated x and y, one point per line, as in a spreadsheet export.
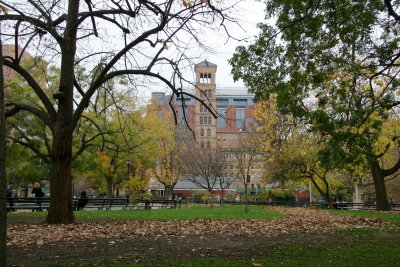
159	249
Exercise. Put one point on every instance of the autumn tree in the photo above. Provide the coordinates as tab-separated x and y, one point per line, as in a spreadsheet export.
169	168
293	150
205	169
127	138
333	64
139	39
248	153
298	162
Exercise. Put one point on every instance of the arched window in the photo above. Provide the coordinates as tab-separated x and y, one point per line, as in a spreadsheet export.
202	132
208	132
205	78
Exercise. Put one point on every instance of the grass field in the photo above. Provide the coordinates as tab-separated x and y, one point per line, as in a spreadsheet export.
184	213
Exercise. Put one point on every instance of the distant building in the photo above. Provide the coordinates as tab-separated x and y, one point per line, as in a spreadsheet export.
234	107
11	51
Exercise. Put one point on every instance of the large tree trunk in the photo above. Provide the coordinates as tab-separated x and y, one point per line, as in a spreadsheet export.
110	189
327	194
169	189
3	210
328	200
61	211
382	202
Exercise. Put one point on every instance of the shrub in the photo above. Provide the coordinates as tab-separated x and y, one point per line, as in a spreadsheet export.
201	196
276	194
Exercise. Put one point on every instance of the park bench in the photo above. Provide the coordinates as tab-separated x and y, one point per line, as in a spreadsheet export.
27	203
154	204
103	203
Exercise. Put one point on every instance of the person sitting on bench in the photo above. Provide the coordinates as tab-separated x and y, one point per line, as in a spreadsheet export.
82	201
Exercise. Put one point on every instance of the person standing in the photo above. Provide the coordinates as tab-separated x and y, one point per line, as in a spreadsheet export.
9	195
37	190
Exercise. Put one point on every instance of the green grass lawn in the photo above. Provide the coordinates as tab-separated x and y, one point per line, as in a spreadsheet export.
368	247
227	212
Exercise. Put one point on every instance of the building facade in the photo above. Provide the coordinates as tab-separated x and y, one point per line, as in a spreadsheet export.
234	108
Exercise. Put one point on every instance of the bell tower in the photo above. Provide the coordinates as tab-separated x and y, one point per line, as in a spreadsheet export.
205	89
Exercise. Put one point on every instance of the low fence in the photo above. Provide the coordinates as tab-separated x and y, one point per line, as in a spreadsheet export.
38	204
336	205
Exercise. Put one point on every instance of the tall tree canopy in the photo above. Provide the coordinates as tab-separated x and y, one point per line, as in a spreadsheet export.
138	39
333	64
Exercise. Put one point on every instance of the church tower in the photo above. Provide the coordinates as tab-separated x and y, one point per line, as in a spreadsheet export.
205	89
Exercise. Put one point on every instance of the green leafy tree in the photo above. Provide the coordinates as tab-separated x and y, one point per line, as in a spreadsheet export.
333	64
136	188
293	151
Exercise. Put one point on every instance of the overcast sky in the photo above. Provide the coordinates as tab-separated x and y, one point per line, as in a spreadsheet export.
249	13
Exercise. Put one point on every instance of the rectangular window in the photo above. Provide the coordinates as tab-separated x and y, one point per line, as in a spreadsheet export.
240	116
201	120
221	120
239	102
222	101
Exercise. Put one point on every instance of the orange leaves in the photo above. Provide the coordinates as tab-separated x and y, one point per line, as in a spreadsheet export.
297	220
186	3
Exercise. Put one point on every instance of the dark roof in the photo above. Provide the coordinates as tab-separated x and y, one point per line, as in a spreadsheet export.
205	63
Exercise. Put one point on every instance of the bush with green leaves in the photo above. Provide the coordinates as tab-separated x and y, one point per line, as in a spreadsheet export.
277	195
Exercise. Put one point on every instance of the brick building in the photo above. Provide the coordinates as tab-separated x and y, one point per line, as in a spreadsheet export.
235	117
